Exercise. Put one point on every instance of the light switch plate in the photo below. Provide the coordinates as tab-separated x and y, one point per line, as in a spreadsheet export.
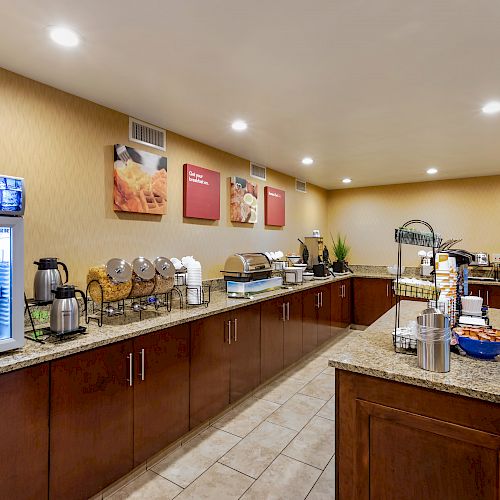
495	257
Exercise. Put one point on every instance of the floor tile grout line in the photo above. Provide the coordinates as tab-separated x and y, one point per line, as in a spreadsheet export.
163	477
305	463
316	482
236	470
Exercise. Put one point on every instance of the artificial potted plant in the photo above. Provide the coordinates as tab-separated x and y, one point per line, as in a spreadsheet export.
341	251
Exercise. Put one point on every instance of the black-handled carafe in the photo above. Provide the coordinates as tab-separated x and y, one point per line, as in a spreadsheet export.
48	278
65	310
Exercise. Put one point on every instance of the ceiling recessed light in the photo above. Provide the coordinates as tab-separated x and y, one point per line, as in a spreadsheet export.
347	180
307	160
64	36
432	170
491	108
239	125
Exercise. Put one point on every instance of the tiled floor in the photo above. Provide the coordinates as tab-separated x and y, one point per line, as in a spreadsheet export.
277	444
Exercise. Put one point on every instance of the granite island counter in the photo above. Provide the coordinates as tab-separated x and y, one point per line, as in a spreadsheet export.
402	429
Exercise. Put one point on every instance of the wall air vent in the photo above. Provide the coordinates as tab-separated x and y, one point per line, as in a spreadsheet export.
300	186
257	171
147	134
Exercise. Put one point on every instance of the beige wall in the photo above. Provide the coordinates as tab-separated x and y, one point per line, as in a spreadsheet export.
62	145
462	208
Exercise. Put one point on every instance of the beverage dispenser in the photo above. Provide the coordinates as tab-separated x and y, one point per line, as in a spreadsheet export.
12	202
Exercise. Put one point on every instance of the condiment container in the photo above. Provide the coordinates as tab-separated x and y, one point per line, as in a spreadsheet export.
164	277
110	282
143	274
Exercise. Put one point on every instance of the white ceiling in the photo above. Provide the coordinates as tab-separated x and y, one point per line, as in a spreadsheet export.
375	90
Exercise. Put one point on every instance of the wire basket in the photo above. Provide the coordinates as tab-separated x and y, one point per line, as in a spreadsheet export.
412	237
428	292
403	342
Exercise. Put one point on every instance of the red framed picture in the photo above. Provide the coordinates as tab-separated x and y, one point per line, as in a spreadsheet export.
274	204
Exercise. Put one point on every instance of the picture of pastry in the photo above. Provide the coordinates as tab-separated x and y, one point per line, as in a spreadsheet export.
140	181
243	200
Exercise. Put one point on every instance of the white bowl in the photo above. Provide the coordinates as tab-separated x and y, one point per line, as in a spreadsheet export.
307	276
394	269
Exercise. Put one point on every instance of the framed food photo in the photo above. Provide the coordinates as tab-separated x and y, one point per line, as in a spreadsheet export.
243	200
140	181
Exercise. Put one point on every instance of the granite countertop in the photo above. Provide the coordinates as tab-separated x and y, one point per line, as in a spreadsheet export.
119	328
372	353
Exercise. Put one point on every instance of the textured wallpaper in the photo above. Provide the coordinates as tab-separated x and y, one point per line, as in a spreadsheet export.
62	146
461	208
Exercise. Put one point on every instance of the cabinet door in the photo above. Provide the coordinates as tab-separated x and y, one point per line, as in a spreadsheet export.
292	339
161	390
91	421
24	434
210	368
324	314
273	314
337	291
372	297
493	296
478	291
346	303
245	351
310	320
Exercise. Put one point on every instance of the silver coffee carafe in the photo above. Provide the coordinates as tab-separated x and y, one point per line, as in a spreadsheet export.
65	310
48	278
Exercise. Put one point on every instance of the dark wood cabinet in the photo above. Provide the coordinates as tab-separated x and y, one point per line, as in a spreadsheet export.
273	318
489	293
316	314
292	337
324	314
161	390
91	420
24	434
281	334
371	298
245	351
225	361
310	301
340	305
393	438
347	303
210	368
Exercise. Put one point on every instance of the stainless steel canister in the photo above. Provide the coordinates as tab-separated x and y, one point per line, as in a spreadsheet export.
433	342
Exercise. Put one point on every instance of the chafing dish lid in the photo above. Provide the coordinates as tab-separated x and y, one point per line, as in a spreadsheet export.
143	268
247	263
164	267
119	270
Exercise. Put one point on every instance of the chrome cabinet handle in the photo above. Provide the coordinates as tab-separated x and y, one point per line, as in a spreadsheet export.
283	317
288	311
343	292
229	331
142	374
479	292
387	289
341	288
487	297
130	358
321	295
236	329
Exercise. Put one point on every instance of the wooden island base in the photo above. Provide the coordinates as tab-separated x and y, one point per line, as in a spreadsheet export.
397	441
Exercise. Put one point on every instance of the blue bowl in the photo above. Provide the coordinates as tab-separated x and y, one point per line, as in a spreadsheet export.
482	349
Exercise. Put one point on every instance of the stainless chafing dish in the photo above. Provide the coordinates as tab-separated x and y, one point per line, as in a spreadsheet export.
247	267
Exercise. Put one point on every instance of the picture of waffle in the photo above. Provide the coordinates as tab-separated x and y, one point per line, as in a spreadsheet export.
243	200
140	181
